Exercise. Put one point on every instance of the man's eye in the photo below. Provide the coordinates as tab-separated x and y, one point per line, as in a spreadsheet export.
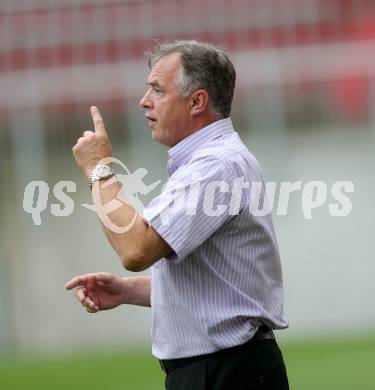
156	90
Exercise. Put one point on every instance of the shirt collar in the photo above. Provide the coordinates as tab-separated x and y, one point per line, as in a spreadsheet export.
181	153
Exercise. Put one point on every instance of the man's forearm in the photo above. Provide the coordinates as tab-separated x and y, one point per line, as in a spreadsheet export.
121	218
137	245
137	290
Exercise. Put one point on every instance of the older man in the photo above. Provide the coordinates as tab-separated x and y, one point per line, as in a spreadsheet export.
216	285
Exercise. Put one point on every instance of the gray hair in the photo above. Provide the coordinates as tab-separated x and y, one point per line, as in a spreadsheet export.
204	66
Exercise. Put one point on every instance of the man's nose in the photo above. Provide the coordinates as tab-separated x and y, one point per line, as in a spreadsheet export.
145	102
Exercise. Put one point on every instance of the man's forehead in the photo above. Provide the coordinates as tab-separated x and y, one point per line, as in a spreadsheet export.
165	68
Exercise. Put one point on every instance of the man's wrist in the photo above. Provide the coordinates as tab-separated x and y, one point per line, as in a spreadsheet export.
100	172
128	294
136	290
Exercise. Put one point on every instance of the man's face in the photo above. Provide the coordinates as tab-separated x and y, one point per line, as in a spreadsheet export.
168	113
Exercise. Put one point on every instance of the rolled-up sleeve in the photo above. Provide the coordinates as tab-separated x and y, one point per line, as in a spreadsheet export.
193	205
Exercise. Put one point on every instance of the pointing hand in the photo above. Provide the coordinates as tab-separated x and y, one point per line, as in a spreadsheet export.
93	146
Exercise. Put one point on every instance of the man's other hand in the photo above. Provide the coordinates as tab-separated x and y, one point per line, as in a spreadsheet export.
99	291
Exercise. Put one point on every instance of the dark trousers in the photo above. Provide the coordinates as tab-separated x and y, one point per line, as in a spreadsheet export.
252	366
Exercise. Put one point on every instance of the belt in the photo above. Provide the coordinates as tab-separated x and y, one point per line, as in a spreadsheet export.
263	333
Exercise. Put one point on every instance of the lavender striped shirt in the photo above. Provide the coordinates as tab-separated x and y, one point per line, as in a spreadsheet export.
224	279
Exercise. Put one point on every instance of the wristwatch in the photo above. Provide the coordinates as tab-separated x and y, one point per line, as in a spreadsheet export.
100	172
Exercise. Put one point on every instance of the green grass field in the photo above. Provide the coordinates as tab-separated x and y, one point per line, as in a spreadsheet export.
311	366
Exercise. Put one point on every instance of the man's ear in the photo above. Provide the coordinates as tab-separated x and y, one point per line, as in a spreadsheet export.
199	101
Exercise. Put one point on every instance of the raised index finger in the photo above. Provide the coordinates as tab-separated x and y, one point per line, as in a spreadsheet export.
98	121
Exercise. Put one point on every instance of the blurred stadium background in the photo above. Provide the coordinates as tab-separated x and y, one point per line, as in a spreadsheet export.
305	106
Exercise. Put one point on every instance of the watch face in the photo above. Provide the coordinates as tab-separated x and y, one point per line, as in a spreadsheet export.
102	170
